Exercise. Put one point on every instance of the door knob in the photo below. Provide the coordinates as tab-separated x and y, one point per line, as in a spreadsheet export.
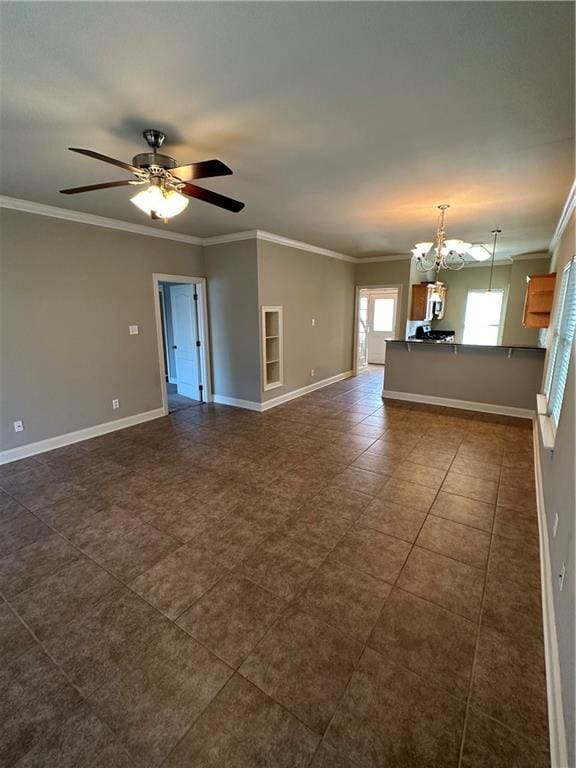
174	346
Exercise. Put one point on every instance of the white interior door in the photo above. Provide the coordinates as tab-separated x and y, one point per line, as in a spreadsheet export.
185	329
382	309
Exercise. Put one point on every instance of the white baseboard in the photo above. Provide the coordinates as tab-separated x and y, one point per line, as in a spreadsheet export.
31	449
251	405
556	723
466	405
287	396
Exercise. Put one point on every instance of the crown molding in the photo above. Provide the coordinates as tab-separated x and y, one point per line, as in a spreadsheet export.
486	264
280	240
531	256
27	206
270	237
52	211
374	259
233	237
565	216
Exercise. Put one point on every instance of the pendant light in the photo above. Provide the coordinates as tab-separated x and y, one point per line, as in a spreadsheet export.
495	232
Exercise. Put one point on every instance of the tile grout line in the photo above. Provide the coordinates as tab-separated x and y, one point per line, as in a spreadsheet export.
297	594
477	643
365	645
84	699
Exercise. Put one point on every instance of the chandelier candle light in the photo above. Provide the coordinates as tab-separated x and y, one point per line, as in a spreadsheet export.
446	254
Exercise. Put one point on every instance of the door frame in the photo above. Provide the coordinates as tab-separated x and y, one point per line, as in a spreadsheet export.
381	287
205	372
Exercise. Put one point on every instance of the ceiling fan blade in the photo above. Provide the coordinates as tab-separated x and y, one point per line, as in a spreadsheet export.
203	170
92	187
212	197
105	159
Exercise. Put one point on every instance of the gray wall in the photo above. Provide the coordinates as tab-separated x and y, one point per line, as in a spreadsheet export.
558	473
506	276
479	374
308	285
458	285
68	292
232	272
514	331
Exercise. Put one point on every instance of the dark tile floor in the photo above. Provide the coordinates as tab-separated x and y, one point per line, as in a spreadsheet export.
336	583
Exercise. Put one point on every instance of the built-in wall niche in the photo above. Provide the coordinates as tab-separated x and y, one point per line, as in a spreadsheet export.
272	351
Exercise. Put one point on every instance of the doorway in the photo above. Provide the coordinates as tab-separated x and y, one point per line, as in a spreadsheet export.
377	321
182	341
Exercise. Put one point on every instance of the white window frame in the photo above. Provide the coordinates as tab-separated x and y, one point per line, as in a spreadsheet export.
500	325
547	421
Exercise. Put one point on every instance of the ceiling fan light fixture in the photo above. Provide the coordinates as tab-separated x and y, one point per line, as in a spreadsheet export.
174	203
161	202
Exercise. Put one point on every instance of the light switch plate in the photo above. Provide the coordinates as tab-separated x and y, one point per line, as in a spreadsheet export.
19	426
313	321
555	529
133	330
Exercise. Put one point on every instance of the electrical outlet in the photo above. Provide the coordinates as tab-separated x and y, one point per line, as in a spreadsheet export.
561	577
19	426
115	403
556	521
312	372
133	330
313	321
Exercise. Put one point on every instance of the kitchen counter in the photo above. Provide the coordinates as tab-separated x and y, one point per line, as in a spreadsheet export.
459	344
502	379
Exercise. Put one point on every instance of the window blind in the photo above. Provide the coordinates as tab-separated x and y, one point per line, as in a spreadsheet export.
564	327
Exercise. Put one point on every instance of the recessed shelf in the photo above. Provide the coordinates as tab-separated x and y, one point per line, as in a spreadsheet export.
272	353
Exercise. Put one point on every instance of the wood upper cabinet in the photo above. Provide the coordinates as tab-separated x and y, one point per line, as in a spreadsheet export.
423	305
538	301
419	306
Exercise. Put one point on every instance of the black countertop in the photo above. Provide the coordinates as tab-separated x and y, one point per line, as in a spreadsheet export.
465	346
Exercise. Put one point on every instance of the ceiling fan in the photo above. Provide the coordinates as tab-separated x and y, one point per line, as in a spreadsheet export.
167	184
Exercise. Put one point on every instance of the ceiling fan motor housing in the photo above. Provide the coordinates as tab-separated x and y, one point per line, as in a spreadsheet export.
154	138
146	159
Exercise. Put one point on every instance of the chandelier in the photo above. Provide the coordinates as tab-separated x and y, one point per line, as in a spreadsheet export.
445	254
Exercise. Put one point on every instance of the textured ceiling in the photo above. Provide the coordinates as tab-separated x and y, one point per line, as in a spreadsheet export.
345	123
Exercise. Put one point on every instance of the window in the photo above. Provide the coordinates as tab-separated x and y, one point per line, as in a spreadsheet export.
482	318
561	339
384	315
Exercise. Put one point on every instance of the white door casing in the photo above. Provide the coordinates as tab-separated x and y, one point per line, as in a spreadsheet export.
382	311
185	330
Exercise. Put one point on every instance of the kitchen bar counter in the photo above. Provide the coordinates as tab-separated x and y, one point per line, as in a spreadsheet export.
459	344
503	379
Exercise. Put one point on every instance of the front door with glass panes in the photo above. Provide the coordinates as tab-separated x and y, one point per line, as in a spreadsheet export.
382	308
